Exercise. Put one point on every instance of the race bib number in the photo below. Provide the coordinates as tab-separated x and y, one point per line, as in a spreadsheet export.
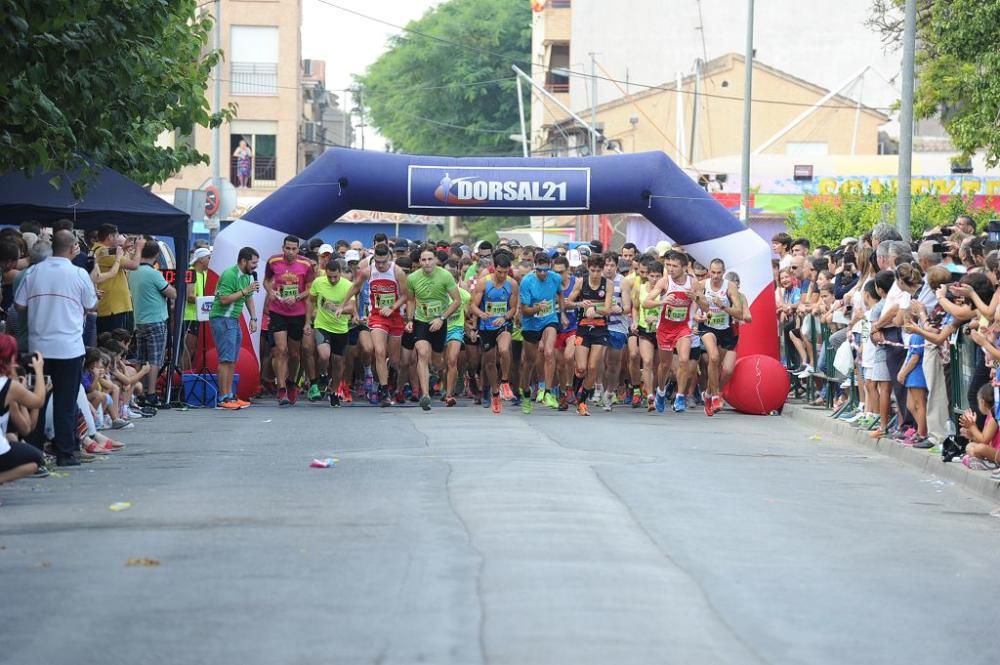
383	300
718	320
545	308
289	291
677	314
496	308
429	309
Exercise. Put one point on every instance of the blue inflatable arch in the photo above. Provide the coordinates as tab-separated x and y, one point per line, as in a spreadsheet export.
649	184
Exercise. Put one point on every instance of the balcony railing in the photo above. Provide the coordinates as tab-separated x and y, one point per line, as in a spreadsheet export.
262	173
254	79
557	87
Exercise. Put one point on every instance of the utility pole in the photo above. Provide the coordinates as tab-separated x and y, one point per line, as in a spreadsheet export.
906	121
747	96
694	110
594	219
216	105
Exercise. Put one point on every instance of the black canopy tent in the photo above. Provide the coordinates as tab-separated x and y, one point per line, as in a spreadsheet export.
110	198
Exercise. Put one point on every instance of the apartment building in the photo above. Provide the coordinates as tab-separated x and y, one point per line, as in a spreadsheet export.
261	75
325	123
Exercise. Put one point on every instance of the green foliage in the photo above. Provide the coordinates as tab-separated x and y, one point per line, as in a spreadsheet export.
485	228
97	81
957	64
828	221
423	94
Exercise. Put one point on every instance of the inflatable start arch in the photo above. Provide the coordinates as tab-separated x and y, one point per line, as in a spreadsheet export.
650	184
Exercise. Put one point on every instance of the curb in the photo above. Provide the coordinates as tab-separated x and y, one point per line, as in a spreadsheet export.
977	482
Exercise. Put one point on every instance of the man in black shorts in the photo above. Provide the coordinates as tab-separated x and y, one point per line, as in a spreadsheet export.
287	280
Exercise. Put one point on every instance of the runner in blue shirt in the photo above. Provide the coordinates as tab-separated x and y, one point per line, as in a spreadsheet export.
541	316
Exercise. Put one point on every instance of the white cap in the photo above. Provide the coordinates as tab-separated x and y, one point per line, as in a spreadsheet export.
663	247
201	253
352	255
573	257
325	249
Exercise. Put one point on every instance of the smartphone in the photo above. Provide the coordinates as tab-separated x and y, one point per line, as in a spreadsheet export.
946	231
993	234
938	248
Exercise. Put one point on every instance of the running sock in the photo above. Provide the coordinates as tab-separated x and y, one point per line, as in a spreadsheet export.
661	391
577	383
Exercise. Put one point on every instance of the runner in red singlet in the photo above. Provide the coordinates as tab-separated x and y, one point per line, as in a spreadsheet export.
674	292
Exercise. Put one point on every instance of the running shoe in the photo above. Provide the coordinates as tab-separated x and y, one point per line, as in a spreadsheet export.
334	399
229	404
923	443
716	404
606	401
807	371
540	394
314	395
563	404
383	398
698	398
400	398
650	404
293	394
243	403
661	402
526	405
496	404
581	409
505	392
425	402
636	398
450	400
680	404
369	382
671	388
282	397
707	403
346	394
407	392
550	400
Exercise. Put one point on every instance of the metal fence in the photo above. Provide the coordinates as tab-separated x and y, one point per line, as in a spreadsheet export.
254	79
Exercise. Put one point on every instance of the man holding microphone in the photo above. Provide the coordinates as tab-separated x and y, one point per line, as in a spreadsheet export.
235	289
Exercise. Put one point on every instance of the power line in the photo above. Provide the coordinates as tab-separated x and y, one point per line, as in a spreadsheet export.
476	49
448	124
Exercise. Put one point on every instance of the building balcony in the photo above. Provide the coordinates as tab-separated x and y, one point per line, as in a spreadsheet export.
557	88
254	79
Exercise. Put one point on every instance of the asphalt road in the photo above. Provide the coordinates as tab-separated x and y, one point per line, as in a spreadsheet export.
462	537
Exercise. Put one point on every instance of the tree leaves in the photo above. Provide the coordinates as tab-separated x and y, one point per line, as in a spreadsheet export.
423	94
97	82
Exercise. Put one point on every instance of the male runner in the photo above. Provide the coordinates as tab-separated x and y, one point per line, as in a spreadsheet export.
566	339
646	321
495	303
618	329
331	311
720	300
674	292
541	316
455	337
287	278
594	296
435	298
383	279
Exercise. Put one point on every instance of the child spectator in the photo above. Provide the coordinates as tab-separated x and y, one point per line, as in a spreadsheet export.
983	449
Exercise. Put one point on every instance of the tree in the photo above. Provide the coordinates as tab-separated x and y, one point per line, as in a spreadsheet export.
93	82
436	89
958	70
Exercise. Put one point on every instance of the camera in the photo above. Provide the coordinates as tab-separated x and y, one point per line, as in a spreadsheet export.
992	234
939	248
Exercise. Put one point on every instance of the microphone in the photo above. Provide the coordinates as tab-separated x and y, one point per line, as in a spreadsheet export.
253	275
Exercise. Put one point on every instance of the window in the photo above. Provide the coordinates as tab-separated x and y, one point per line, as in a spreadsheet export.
254	60
258	168
556	78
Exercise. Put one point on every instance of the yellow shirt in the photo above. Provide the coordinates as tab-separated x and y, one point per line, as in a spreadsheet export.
117	297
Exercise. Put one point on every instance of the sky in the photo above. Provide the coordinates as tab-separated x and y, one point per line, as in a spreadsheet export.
349	43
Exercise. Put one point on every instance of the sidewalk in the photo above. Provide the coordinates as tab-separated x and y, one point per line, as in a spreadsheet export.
977	482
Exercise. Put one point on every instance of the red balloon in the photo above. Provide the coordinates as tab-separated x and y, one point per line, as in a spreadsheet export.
246	366
759	385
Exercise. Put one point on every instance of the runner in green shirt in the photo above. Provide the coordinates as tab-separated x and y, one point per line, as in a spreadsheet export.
455	338
435	298
327	296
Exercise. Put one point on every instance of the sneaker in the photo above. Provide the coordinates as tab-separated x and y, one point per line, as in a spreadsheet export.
606	401
698	398
282	397
314	395
563	404
334	400
708	403
118	423
85	457
425	402
41	472
505	391
496	404
230	404
293	394
671	388
450	400
550	400
922	443
973	463
407	392
651	404
540	395
680	404
242	403
346	394
71	460
369	384
716	404
636	398
383	397
581	409
526	405
806	372
598	394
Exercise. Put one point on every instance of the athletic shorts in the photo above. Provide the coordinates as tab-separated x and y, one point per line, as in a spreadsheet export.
564	338
407	340
725	338
617	340
455	335
393	326
422	333
293	325
588	336
468	341
696	353
535	336
648	335
337	341
667	335
488	338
